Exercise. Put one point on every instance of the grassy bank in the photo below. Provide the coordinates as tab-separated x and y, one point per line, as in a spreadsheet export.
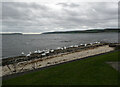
91	71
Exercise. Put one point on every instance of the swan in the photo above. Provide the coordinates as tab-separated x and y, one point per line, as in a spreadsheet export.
58	47
52	50
22	53
81	44
39	51
61	48
85	45
43	50
43	54
76	46
36	51
71	46
28	55
64	47
91	43
47	52
48	49
98	42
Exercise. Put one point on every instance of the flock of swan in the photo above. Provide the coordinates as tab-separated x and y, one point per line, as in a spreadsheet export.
44	52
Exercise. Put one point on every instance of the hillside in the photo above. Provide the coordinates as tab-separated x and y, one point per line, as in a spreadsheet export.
11	34
85	31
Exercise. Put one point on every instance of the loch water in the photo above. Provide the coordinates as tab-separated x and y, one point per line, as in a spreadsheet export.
13	45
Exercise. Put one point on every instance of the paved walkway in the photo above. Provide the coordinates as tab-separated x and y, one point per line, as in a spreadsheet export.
115	65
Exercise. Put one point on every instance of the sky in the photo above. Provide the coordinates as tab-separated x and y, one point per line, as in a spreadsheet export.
38	17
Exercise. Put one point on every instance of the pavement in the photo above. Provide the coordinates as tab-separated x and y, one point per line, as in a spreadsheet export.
115	65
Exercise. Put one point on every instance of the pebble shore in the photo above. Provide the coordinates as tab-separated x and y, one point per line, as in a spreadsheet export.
38	60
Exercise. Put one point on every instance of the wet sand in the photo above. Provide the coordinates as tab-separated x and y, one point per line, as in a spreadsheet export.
56	59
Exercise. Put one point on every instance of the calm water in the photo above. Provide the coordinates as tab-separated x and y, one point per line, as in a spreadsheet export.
13	45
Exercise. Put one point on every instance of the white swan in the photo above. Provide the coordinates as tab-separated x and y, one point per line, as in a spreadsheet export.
91	43
58	47
47	52
28	55
30	52
81	44
43	54
64	47
76	46
85	45
52	50
22	53
71	46
98	42
39	51
36	51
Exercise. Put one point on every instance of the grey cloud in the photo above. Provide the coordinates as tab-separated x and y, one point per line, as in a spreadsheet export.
69	4
41	17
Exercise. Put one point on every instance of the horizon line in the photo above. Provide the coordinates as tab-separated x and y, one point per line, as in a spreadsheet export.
53	31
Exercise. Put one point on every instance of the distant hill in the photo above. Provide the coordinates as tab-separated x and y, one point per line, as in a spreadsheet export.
85	31
11	34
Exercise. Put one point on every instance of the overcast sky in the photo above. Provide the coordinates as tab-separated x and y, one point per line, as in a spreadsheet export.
45	17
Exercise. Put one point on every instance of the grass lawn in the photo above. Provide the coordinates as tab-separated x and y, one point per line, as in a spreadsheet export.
91	71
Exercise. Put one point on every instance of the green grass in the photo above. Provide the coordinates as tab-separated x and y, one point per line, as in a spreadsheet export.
91	71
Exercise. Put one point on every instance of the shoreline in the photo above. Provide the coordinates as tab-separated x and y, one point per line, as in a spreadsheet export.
38	69
36	63
57	51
